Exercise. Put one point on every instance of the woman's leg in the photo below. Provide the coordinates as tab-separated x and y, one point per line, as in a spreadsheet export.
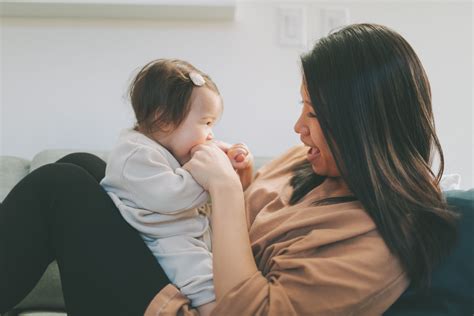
60	212
91	163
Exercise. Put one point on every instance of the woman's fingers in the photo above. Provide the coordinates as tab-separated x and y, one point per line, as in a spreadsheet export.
196	148
222	145
209	165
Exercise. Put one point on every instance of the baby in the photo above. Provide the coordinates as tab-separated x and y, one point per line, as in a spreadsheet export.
176	107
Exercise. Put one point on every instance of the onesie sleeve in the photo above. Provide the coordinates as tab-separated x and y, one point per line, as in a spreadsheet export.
155	186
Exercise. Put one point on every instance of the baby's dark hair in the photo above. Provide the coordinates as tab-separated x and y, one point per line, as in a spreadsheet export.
160	94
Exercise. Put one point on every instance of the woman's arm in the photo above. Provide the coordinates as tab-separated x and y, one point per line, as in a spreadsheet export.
233	261
232	255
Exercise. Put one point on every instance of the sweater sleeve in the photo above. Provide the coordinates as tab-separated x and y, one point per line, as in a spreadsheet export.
321	283
356	279
155	186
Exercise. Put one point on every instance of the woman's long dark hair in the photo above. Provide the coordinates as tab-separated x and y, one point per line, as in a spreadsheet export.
373	101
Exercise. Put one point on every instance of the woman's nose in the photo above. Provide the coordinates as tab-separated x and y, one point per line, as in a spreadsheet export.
300	128
304	131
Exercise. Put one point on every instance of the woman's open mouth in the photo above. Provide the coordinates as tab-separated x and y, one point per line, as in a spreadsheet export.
313	153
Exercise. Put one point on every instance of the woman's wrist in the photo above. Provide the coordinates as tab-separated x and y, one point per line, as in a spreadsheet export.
226	186
229	231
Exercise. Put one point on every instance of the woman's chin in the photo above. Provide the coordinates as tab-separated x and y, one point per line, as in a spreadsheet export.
317	169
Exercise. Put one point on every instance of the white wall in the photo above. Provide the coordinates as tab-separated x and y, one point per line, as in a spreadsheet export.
63	82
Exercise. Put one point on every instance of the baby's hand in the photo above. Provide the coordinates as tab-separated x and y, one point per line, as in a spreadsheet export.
239	154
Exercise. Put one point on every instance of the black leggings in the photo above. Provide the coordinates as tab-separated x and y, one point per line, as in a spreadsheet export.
60	211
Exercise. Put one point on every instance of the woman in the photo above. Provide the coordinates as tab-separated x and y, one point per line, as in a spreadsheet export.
338	226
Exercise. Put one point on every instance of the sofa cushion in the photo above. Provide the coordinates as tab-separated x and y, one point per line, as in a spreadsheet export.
47	294
12	170
51	155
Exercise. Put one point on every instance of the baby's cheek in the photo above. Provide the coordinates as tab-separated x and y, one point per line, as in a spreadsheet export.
184	151
193	139
199	137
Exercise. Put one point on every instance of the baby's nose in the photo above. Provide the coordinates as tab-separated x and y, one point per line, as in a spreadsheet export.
210	136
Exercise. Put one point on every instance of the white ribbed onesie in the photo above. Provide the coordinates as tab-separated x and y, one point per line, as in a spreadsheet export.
160	199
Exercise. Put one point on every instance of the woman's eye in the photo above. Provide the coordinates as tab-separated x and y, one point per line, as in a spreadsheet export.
310	114
209	123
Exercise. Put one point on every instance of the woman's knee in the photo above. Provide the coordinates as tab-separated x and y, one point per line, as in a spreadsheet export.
63	188
59	175
91	163
40	188
80	157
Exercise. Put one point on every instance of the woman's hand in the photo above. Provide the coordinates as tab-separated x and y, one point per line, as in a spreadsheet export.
241	159
210	166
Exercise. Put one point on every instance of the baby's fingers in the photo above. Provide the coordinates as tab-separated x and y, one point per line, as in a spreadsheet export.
239	157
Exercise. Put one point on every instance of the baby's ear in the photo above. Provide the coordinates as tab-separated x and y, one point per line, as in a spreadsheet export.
162	126
168	128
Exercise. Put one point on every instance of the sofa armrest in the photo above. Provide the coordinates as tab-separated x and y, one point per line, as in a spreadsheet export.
12	170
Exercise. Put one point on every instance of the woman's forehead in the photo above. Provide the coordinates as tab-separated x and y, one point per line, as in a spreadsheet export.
304	90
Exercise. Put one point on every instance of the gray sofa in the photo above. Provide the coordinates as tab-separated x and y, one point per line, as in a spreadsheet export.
46	298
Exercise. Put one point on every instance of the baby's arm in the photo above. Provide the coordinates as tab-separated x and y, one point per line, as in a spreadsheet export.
242	161
153	185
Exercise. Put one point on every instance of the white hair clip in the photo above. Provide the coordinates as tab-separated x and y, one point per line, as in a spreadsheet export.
197	79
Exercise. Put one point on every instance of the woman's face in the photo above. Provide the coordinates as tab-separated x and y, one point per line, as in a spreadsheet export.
307	126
